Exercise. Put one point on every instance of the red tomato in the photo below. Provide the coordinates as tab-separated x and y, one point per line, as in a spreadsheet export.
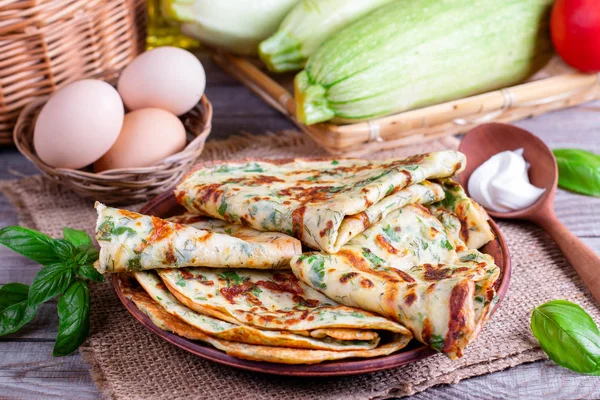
575	29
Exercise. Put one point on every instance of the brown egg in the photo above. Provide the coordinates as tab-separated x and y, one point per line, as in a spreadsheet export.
148	136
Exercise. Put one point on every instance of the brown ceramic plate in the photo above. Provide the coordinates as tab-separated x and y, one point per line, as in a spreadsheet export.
165	205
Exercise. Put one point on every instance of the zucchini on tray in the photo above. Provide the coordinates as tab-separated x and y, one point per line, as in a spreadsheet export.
371	75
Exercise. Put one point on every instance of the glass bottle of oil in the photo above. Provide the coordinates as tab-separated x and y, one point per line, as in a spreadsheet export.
164	32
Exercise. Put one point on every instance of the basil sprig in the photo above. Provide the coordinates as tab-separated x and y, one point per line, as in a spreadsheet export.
578	171
568	335
66	263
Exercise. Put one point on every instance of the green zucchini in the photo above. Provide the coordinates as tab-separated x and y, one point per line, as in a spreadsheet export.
411	54
308	25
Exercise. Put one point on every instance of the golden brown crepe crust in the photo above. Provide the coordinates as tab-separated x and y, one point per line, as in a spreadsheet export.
308	209
274	354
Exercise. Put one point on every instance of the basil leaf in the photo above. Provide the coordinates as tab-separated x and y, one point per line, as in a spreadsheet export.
49	283
568	335
12	293
92	254
14	317
65	250
89	272
74	319
83	242
76	237
30	243
578	171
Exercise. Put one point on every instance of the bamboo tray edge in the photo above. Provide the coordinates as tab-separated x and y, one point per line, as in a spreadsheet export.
562	88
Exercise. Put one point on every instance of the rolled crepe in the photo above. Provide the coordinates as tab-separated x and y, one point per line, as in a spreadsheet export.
133	242
322	203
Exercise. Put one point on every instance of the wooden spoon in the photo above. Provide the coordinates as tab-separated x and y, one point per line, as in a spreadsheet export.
482	142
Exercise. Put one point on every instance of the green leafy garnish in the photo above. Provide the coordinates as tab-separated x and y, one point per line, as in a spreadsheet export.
104	231
135	263
469	257
317	276
446	244
123	229
50	282
568	335
256	291
391	234
222	208
254	168
578	171
232	277
77	238
12	293
373	258
66	263
450	200
74	319
88	271
410	167
390	190
15	317
30	243
436	342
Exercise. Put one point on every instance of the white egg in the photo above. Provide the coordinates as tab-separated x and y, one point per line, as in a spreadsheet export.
166	77
79	123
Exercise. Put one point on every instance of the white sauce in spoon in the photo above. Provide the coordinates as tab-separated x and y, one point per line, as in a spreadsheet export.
501	183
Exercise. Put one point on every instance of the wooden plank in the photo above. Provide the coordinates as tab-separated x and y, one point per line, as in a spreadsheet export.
540	380
28	371
224	127
43	328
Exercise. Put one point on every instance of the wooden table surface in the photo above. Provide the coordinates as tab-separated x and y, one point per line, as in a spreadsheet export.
27	369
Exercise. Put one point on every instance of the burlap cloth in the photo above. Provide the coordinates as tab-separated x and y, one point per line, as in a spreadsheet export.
128	362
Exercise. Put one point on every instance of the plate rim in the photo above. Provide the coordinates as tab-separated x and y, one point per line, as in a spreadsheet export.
325	369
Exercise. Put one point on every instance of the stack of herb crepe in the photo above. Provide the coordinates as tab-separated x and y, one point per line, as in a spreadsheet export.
397	258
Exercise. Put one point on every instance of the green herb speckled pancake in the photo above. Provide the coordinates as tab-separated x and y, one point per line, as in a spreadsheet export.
365	339
322	203
462	213
132	242
271	300
410	269
277	354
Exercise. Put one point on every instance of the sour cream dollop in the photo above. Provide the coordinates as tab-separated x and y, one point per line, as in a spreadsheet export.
502	184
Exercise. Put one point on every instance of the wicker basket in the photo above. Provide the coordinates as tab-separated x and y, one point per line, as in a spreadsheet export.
47	43
125	185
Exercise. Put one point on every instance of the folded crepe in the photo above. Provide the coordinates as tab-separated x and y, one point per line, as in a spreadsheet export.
132	242
462	216
271	300
322	203
356	338
170	321
413	270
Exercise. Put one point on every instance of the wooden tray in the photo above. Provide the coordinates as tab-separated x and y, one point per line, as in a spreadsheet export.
554	87
165	205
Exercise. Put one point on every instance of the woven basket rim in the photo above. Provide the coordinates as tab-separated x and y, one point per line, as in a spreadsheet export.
33	106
